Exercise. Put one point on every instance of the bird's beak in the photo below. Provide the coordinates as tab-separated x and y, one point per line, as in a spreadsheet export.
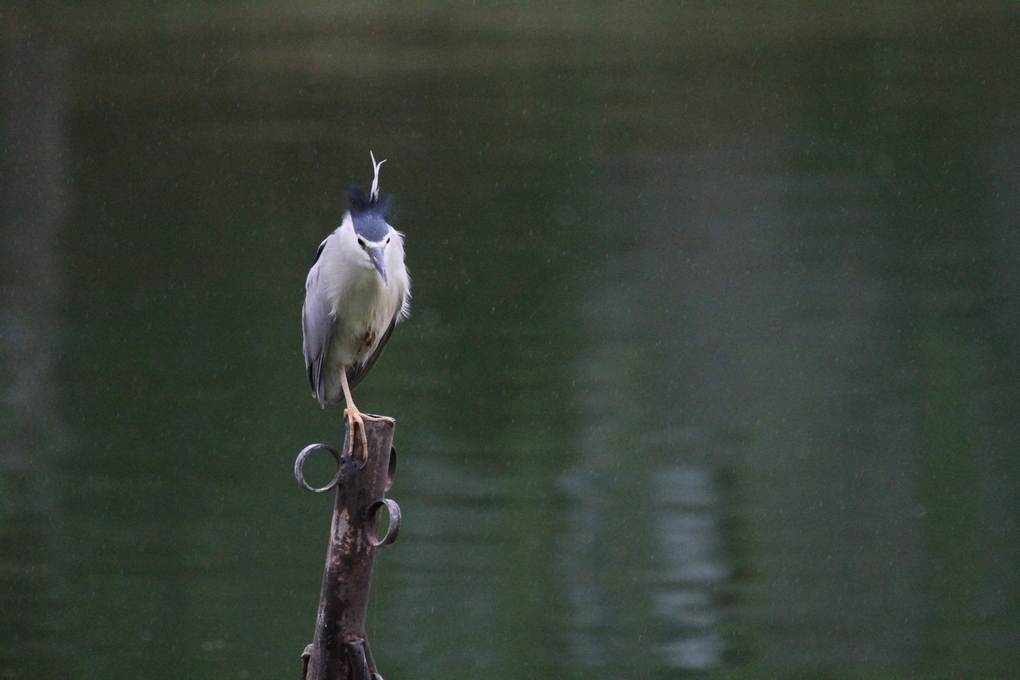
378	256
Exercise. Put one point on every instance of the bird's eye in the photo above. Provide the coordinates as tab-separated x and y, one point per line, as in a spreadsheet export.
387	239
361	242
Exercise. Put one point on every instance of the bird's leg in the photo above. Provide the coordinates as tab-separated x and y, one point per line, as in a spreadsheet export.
354	417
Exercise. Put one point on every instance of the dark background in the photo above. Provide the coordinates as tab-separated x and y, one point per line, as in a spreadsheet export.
712	368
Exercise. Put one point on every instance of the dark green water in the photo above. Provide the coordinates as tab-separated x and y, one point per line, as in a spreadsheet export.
712	368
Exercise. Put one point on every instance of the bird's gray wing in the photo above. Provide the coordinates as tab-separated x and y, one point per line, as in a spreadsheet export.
357	372
317	325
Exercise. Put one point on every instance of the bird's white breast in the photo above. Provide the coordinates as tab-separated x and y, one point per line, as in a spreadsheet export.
364	306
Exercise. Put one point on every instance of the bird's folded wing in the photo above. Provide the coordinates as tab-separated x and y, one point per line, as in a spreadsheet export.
317	323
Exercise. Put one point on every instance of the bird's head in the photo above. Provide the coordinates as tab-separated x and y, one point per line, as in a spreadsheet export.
368	216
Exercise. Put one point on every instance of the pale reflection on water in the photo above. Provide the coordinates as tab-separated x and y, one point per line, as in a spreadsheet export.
689	538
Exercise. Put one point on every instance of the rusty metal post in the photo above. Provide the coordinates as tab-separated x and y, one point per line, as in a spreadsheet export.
339	649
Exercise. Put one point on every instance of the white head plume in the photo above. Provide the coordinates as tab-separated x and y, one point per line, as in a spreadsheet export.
374	196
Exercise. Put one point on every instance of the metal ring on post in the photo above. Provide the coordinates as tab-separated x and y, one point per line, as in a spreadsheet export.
393	529
299	465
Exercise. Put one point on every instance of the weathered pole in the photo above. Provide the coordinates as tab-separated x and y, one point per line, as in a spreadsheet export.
339	648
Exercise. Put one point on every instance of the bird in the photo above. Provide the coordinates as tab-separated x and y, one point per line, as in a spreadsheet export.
358	288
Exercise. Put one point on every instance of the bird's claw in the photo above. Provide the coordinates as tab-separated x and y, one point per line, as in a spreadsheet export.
354	419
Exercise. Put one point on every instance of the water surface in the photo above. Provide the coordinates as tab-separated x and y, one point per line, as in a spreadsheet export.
711	371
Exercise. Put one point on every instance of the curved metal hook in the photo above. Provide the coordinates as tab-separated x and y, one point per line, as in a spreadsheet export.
299	464
393	529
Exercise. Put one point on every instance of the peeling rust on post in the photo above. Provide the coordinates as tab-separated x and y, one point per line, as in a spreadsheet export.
339	649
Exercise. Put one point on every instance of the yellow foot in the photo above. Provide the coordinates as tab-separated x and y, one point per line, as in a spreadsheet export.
356	418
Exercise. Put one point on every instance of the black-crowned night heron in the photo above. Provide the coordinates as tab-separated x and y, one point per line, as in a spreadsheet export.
357	290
